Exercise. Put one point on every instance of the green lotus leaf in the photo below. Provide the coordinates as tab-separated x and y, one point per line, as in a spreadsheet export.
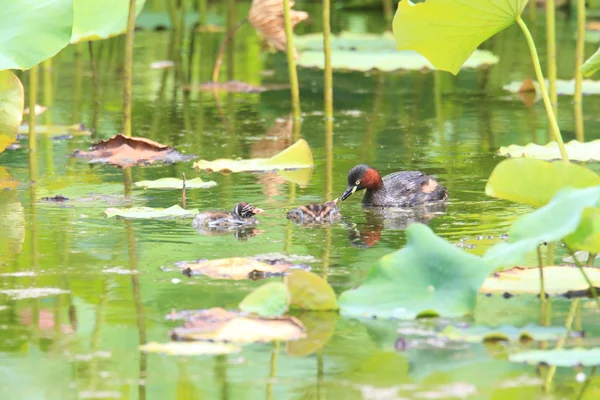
268	300
150	213
587	235
535	182
11	108
559	357
447	32
429	276
174	183
97	20
578	151
309	292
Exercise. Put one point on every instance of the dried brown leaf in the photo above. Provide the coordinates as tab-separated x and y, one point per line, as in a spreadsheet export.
124	151
267	17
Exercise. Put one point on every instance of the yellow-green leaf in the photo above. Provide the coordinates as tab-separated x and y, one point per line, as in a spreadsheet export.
268	300
97	20
308	291
11	108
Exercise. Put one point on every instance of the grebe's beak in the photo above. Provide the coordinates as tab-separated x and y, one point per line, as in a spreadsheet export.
349	192
256	210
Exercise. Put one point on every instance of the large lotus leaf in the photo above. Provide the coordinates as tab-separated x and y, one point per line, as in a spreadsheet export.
577	151
97	20
550	223
11	108
560	357
235	268
297	156
268	300
190	348
591	65
33	30
563	87
150	213
427	277
535	182
308	291
174	183
558	280
587	235
447	32
507	333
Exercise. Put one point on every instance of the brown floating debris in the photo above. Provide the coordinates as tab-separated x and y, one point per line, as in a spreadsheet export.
56	199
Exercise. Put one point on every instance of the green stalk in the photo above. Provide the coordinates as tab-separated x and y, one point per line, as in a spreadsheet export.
202	12
579	50
532	10
388	10
542	287
587	279
289	33
540	78
551	51
96	87
128	73
33	87
327	50
273	370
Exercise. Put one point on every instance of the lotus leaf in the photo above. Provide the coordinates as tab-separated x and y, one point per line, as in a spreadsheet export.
535	182
308	291
56	130
578	151
587	235
297	156
150	213
218	325
507	333
447	32
268	300
320	327
11	108
563	87
174	183
591	65
560	357
550	223
33	30
235	268
190	348
558	280
98	20
429	276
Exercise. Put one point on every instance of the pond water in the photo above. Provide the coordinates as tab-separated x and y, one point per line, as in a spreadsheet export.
113	281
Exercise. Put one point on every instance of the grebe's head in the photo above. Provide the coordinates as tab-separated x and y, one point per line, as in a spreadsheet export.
246	210
362	177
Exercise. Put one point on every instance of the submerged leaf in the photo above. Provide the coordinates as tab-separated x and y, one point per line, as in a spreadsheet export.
430	27
235	268
560	357
268	300
174	183
297	156
429	276
535	182
150	213
124	151
11	108
507	333
310	292
98	20
320	327
558	280
577	151
549	223
190	348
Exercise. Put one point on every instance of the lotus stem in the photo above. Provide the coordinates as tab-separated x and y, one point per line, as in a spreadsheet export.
551	51
532	10
543	297
128	73
388	10
327	53
217	67
95	83
590	260
579	50
289	33
540	78
587	279
183	198
202	12
273	370
33	87
47	89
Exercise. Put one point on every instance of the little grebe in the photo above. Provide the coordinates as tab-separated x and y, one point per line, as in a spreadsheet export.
399	189
316	213
242	214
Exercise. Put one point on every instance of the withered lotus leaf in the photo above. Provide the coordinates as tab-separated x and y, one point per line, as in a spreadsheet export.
123	151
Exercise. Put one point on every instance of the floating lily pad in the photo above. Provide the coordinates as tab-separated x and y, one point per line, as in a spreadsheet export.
560	357
429	27
429	276
268	300
308	291
150	213
32	293
190	348
11	108
124	151
550	223
535	182
563	87
235	268
217	325
558	280
365	52
98	20
297	156
174	183
577	151
506	333
56	130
